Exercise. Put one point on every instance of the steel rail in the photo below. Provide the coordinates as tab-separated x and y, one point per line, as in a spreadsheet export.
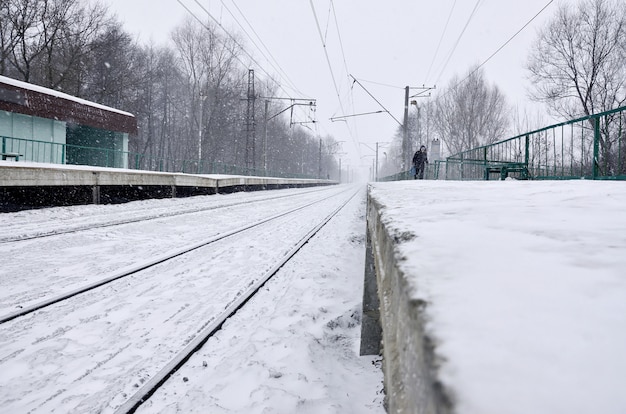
130	270
152	385
138	219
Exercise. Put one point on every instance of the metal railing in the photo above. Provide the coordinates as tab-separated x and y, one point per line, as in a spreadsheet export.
591	147
57	153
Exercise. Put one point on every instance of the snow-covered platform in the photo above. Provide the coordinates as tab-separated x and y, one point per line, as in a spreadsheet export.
23	183
501	297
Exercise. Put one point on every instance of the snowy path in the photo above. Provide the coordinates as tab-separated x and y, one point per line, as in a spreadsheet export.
92	352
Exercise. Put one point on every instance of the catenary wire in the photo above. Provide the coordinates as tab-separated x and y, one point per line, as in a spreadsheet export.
330	67
332	74
284	73
280	86
238	44
275	65
500	48
380	84
445	65
347	73
512	37
440	40
233	39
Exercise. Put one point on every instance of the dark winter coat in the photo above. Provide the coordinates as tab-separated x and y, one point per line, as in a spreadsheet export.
419	159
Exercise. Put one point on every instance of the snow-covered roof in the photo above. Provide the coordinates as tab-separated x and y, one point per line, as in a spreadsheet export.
24	98
52	92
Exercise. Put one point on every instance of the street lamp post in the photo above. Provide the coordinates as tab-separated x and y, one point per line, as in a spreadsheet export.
200	116
417	124
376	170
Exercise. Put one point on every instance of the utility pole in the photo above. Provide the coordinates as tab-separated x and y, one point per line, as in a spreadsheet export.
265	138
200	130
266	118
405	130
418	135
406	143
376	176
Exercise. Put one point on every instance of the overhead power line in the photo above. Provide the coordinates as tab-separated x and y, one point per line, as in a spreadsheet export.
258	65
345	66
502	47
271	58
275	65
381	84
445	28
377	101
343	53
206	27
445	65
330	68
510	38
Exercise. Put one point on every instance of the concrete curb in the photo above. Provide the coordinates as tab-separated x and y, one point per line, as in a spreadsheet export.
409	367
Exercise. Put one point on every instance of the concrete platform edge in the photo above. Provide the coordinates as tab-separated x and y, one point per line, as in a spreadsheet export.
409	364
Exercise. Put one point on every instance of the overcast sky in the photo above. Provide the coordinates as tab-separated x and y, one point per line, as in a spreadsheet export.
386	45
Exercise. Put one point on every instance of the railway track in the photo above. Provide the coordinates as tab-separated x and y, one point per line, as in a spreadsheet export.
62	267
179	360
205	327
148	264
140	216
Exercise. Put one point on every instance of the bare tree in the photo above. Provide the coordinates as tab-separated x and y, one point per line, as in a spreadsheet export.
187	99
470	113
46	41
9	34
577	62
577	67
20	36
214	88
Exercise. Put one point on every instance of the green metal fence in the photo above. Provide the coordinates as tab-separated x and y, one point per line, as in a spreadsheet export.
592	147
56	153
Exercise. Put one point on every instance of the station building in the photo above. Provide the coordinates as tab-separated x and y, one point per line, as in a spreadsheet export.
43	125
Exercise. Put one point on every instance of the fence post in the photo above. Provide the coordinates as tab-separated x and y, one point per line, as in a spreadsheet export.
486	173
462	167
596	146
526	151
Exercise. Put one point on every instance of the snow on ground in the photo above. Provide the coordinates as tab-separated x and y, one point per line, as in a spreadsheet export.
294	348
526	290
297	349
525	284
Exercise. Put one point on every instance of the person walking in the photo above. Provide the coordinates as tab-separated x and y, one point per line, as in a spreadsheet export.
420	159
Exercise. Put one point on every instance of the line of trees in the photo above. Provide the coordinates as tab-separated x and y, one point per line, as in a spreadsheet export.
188	97
577	69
